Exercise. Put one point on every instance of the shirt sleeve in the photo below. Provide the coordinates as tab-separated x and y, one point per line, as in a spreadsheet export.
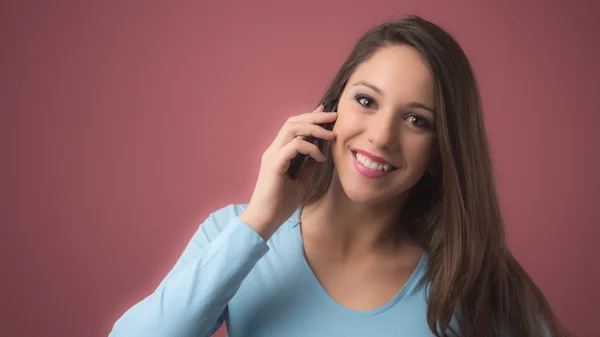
192	299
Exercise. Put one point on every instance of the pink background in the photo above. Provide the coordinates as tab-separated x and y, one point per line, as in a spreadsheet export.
125	123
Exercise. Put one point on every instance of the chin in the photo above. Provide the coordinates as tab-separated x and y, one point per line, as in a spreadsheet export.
360	192
366	191
362	196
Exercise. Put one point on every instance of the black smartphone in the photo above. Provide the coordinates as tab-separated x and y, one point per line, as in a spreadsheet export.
297	163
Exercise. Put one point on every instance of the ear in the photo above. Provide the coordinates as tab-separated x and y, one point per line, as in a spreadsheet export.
433	171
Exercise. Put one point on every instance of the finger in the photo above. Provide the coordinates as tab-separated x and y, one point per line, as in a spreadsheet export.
297	145
302	131
292	130
315	117
320	108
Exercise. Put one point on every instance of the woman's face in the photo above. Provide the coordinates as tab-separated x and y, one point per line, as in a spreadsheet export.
385	130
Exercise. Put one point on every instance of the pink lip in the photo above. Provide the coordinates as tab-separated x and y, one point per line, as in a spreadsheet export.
367	172
372	157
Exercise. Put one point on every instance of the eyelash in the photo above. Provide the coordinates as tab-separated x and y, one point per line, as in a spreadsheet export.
426	124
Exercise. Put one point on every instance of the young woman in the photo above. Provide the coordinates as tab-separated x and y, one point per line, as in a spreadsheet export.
393	229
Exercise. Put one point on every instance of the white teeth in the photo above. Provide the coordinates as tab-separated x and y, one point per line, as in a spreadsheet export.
373	165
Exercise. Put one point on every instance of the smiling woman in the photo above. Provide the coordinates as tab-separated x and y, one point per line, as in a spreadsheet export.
386	116
392	229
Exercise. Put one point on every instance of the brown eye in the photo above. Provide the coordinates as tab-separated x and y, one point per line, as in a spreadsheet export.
365	101
419	122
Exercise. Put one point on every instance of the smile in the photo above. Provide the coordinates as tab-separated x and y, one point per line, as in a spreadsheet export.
370	168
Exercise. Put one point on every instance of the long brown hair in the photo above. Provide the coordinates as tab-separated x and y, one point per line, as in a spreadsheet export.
471	275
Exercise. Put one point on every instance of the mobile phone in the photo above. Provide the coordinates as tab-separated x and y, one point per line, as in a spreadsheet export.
298	162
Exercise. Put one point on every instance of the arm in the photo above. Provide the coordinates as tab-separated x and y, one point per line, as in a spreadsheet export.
192	298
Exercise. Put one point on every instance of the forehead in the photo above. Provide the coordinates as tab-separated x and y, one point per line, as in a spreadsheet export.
400	71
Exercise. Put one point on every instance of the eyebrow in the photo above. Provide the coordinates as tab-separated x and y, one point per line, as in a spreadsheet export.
379	91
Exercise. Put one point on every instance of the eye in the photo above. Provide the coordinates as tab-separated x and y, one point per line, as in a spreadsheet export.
419	122
361	99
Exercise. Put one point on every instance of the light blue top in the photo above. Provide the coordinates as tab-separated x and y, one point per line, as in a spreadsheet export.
228	273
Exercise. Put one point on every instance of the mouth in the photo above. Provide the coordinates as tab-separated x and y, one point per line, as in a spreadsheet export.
369	167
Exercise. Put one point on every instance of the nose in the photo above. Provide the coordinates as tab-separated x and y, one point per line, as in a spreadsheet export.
382	131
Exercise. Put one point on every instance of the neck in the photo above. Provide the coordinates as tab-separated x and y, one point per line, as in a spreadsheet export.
351	227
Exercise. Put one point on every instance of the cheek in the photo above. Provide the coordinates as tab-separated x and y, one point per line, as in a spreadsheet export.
347	124
417	150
